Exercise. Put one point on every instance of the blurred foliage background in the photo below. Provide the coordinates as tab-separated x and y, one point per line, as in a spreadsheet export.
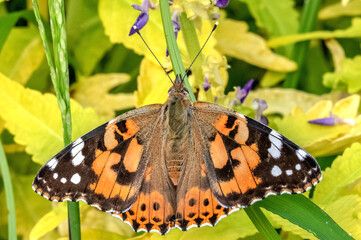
111	72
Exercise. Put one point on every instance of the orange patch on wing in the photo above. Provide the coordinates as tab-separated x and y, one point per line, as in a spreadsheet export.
242	133
109	137
252	157
242	172
99	162
230	186
220	124
108	176
218	152
132	128
132	156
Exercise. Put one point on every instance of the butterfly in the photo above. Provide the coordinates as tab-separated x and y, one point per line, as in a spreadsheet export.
178	164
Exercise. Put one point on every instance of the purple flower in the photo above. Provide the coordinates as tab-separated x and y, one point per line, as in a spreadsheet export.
176	26
221	3
243	92
260	106
143	16
332	120
206	85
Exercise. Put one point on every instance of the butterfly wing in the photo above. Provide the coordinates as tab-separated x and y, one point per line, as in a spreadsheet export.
247	161
154	208
196	204
104	168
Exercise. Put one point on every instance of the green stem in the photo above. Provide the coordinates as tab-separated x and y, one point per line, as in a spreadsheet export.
60	77
172	45
261	222
9	195
307	23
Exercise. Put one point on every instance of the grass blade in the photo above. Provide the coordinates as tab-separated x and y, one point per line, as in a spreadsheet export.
303	212
307	23
9	195
58	63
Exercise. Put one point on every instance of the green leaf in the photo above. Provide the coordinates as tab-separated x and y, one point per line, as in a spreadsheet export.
338	9
278	17
94	92
344	171
22	54
35	120
304	213
9	20
347	78
234	39
354	31
84	32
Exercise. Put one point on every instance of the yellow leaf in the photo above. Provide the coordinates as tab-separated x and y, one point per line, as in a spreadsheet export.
352	8
344	171
112	14
338	54
153	85
49	221
34	119
94	92
234	39
22	54
323	140
353	31
283	100
100	234
271	78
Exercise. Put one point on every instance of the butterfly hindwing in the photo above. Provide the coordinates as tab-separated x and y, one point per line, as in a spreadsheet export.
247	161
104	168
196	204
154	209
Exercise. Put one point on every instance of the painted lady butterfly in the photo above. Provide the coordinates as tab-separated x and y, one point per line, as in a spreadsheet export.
180	164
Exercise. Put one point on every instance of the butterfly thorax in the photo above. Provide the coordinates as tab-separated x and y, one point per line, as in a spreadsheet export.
176	129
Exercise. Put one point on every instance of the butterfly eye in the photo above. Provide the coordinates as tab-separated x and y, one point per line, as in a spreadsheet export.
171	91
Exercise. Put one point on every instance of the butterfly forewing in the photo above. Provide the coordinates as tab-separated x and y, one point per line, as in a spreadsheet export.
105	167
248	161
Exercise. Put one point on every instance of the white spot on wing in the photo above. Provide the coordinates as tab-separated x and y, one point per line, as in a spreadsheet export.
276	171
275	140
63	180
75	178
77	146
275	153
298	166
289	172
301	154
78	159
55	175
52	164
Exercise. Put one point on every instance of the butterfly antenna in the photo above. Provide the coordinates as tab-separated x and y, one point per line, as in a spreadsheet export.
140	35
210	34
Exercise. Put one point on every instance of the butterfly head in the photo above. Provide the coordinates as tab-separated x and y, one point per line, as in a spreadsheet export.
178	91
